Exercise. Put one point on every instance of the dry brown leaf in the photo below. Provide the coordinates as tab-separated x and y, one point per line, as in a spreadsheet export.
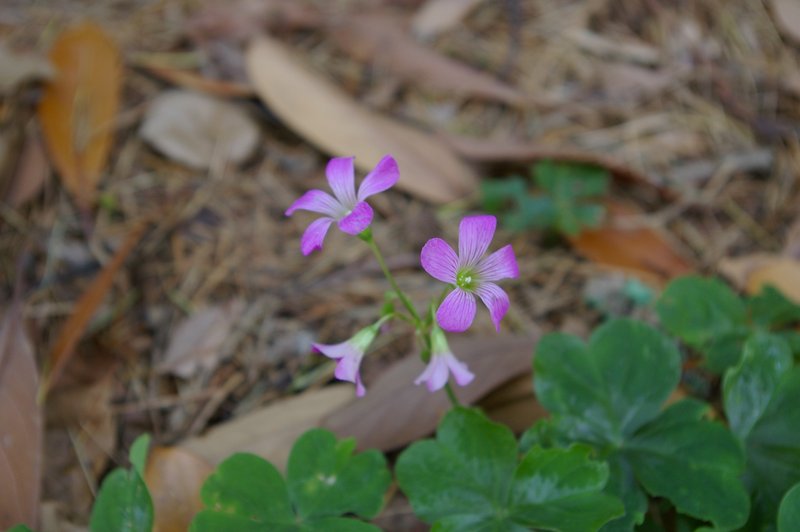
79	107
787	17
271	431
174	477
31	173
514	404
382	40
197	341
84	309
20	425
17	68
188	79
395	412
327	117
641	251
196	130
438	16
753	272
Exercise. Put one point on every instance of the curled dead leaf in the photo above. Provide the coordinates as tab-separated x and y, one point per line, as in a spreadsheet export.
79	106
174	477
330	119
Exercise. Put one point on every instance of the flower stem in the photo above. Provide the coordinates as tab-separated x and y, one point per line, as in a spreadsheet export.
366	236
451	395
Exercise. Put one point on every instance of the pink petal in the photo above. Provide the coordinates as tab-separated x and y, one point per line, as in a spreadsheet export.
439	260
336	351
382	177
474	236
435	374
316	201
461	373
457	311
347	367
358	219
495	299
341	178
314	235
499	265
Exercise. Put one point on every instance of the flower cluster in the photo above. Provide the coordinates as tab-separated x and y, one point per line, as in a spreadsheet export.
470	273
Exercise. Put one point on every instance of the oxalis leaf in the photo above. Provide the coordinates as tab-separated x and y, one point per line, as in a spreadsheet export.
469	478
789	511
761	395
610	394
324	481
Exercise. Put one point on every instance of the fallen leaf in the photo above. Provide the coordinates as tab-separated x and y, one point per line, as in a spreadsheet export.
787	17
174	477
396	412
244	19
382	40
271	431
324	115
31	173
79	107
20	425
438	16
514	404
84	309
18	68
641	251
188	79
197	341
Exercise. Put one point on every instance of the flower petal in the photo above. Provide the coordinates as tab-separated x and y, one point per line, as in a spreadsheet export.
474	236
336	351
439	260
382	177
457	311
495	299
499	265
317	201
314	235
435	374
347	367
341	178
358	219
461	373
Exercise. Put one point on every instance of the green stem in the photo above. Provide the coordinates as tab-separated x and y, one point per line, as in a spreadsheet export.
366	236
451	395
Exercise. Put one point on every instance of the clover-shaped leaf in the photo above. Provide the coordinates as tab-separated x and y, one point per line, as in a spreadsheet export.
324	481
610	394
789	511
761	395
469	478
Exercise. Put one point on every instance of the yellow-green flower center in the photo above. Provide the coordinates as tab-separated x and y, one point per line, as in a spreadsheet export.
465	280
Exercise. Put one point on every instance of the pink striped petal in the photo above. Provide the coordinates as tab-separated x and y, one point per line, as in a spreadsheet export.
495	299
382	177
435	374
499	265
314	235
341	178
474	236
457	311
317	201
349	362
439	260
461	373
358	219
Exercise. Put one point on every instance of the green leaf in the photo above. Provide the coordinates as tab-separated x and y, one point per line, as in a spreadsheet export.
498	193
325	479
725	350
770	308
123	504
697	310
694	463
138	453
789	511
19	528
748	387
244	493
622	483
602	392
469	479
532	212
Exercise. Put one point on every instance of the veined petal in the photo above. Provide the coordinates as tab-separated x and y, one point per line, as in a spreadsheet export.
474	236
435	374
382	177
347	367
358	219
439	260
341	178
495	299
317	201
336	351
501	264
314	235
461	373
457	311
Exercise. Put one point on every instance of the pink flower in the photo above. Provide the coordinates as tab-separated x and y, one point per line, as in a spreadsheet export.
442	363
349	355
470	272
346	207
